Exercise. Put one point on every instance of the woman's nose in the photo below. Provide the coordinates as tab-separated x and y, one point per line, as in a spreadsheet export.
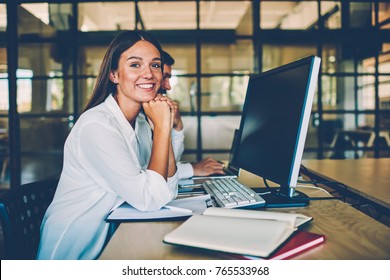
147	74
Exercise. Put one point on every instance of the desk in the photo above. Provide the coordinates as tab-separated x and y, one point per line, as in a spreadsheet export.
350	234
366	177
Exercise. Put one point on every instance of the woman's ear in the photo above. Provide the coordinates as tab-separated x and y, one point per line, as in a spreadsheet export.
113	77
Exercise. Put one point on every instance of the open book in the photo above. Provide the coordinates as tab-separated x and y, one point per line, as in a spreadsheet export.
246	232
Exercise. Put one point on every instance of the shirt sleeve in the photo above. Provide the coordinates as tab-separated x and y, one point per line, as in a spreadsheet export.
110	156
185	170
177	143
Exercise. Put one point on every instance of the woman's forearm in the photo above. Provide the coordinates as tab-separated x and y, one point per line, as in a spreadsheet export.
172	162
160	158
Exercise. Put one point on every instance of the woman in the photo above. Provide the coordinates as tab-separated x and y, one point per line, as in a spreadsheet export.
109	156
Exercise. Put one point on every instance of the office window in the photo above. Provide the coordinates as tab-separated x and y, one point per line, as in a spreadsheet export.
331	14
384	92
299	15
55	93
184	91
184	56
338	92
4	136
106	16
224	93
3	80
43	59
236	56
312	132
361	14
384	80
170	15
331	125
367	65
90	58
24	90
384	59
45	87
384	15
279	54
330	59
191	131
344	134
216	128
183	81
43	95
85	88
43	19
4	153
219	52
214	15
3	17
366	99
384	121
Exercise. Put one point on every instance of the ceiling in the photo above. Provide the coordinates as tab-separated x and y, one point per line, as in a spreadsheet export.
157	15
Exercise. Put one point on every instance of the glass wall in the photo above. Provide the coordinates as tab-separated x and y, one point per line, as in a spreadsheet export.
4	101
216	45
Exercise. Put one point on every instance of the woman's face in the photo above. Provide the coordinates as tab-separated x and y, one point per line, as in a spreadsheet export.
139	73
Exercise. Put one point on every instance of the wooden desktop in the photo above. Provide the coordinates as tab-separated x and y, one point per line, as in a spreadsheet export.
366	177
350	234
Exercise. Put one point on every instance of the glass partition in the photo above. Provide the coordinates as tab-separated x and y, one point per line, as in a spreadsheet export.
235	57
279	54
224	93
288	15
46	59
43	19
213	15
106	16
167	15
217	44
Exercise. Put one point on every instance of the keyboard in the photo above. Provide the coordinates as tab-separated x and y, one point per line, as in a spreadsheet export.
230	193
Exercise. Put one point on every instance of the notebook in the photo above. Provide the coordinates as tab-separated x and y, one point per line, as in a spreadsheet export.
299	243
245	232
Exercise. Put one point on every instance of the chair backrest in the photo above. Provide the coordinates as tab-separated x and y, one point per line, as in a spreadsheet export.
21	213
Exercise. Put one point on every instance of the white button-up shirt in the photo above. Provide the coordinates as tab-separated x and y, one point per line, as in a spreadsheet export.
105	164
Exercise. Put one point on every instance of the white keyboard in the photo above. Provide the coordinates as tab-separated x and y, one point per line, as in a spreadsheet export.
230	193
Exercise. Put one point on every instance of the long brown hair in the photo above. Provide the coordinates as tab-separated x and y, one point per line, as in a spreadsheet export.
125	40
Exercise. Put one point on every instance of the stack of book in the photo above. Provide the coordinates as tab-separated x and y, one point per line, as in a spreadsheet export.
246	234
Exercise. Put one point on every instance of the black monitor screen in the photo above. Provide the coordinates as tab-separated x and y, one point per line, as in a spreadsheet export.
275	119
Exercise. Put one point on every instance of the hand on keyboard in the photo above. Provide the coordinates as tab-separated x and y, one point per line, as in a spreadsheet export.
230	193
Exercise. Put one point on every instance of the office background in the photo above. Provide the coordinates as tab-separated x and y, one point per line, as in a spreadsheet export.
50	52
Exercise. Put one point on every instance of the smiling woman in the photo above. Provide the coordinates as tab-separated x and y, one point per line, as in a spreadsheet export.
110	156
138	76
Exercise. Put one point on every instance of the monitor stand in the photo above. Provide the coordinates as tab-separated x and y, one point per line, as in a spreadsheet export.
280	201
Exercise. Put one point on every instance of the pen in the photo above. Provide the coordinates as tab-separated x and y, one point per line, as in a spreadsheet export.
178	209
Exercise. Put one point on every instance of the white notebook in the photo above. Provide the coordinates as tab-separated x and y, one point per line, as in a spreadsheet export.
248	232
183	207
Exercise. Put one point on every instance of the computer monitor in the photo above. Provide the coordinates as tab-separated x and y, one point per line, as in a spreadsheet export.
273	127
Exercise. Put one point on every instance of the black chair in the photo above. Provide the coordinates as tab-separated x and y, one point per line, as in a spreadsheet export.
21	213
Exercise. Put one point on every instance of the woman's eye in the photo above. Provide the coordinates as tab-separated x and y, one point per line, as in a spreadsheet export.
136	65
156	65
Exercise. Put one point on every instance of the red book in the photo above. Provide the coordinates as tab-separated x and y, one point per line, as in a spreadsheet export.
300	242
